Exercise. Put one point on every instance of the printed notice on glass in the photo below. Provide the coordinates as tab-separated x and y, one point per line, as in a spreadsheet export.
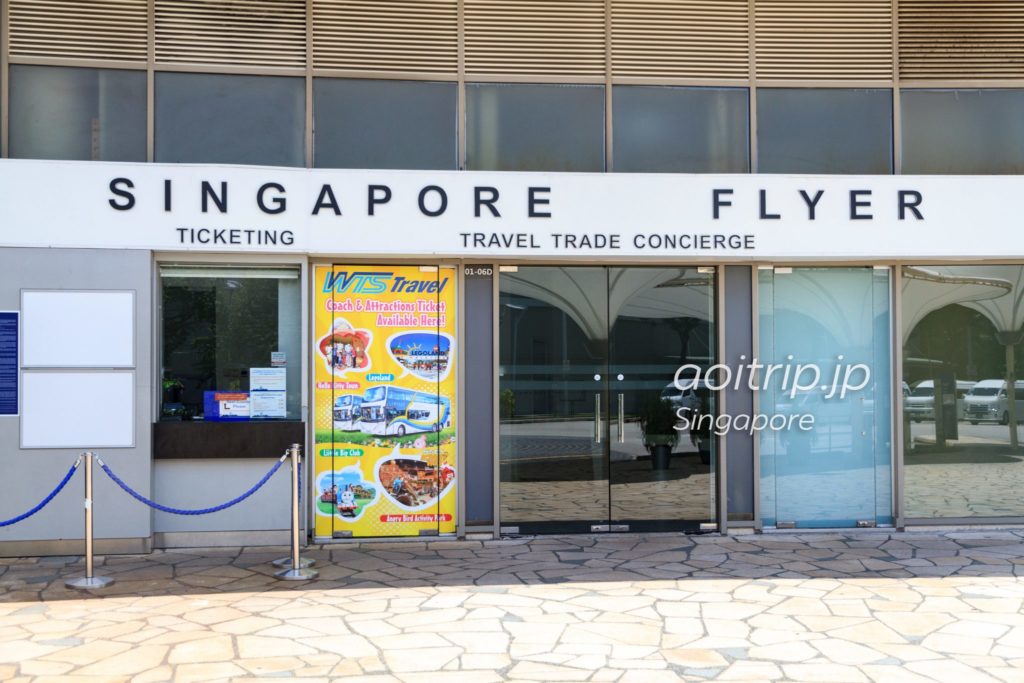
268	379
8	363
264	404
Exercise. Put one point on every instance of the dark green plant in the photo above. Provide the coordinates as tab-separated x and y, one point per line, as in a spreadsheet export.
658	423
508	403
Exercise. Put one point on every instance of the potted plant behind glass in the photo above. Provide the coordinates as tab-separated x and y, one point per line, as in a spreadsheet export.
658	426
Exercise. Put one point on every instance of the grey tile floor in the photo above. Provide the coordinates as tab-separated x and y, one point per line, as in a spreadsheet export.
867	606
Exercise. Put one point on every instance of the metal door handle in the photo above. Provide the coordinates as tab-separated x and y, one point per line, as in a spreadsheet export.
597	418
622	418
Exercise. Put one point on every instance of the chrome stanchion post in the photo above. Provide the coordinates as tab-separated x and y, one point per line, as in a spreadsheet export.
297	570
286	562
89	580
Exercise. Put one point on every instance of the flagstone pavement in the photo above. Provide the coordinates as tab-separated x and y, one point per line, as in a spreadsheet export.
868	606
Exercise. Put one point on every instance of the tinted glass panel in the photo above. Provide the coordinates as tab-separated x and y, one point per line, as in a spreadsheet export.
963	131
213	118
824	131
831	328
683	130
384	124
962	336
534	127
84	114
219	328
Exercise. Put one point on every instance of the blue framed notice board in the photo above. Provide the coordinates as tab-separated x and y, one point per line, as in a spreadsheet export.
8	363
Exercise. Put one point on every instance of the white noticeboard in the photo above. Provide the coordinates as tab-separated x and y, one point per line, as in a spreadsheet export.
78	410
74	329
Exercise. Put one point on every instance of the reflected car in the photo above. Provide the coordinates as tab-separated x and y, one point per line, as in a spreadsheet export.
987	402
920	405
687	398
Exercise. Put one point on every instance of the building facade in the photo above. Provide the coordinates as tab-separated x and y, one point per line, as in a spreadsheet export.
511	267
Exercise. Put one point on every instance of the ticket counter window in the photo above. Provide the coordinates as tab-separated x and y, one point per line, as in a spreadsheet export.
231	344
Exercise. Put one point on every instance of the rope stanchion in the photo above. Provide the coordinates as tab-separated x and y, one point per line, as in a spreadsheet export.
296	570
45	501
200	511
89	580
286	562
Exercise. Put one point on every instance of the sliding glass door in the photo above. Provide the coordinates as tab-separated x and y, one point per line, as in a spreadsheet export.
589	409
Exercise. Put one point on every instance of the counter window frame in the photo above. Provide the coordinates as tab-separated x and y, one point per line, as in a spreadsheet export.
238	260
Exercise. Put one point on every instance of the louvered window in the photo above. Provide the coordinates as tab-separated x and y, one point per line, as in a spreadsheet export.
535	37
839	39
406	36
252	33
102	29
957	39
690	39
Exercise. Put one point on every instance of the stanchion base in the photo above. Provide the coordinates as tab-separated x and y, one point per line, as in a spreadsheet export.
286	562
297	574
85	583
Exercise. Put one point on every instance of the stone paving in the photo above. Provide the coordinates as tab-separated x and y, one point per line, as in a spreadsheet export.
870	606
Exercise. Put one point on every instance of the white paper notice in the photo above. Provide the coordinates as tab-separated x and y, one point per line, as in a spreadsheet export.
268	404
268	379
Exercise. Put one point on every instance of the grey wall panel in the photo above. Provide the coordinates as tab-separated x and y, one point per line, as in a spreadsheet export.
479	401
28	475
203	483
739	342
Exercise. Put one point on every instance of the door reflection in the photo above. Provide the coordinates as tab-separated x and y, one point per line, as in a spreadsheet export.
587	359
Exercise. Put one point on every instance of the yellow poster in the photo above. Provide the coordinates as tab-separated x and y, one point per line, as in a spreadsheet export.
384	399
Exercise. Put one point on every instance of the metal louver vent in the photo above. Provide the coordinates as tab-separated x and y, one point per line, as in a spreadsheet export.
839	39
688	39
958	39
103	29
535	37
419	36
231	32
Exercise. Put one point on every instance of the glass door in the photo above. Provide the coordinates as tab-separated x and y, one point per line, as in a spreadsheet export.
590	438
553	366
825	342
661	471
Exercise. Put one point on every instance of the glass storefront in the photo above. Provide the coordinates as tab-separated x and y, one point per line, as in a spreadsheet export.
590	432
824	342
962	349
588	404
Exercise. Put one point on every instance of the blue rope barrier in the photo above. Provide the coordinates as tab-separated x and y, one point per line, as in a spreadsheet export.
45	501
203	511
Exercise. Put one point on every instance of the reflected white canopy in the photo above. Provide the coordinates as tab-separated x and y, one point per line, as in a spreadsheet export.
632	292
928	289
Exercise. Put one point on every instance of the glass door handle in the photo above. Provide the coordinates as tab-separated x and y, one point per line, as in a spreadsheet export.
622	418
597	418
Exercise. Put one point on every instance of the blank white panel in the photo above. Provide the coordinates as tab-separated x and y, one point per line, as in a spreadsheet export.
78	329
78	410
